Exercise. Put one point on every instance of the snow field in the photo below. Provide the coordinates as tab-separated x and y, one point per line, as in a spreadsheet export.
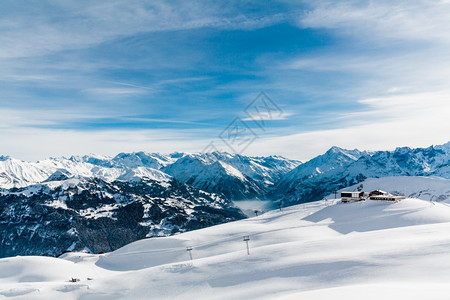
319	250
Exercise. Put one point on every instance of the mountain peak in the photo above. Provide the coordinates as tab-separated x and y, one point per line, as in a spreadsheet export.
353	154
444	147
4	157
59	175
335	149
402	150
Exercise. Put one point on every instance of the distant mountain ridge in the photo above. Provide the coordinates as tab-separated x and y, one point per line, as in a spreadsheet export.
101	203
339	168
238	177
235	176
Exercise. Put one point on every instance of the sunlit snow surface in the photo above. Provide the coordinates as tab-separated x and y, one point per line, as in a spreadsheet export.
320	250
422	187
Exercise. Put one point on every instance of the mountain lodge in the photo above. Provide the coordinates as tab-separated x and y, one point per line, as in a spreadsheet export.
380	195
352	196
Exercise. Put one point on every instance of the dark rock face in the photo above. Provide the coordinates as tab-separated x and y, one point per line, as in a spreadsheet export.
98	216
210	174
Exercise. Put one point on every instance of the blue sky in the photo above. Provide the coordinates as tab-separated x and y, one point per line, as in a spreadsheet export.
111	76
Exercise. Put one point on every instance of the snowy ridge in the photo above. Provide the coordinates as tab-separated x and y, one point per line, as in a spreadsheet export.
339	168
213	172
16	173
207	172
101	203
329	164
239	177
314	251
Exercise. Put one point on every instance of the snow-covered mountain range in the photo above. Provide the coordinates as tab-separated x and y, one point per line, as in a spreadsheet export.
235	176
101	203
339	168
239	177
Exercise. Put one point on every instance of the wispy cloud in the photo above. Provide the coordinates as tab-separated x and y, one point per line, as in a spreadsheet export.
128	84
382	21
160	120
382	47
114	91
85	25
268	117
15	118
415	120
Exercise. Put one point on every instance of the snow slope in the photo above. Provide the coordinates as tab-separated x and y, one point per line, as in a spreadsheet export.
318	250
208	173
422	187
